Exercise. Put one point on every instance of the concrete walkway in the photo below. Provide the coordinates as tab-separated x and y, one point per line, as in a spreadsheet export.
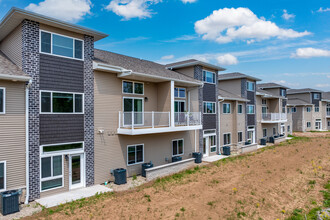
214	158
72	195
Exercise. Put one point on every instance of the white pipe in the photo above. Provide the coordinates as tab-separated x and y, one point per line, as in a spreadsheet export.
172	104
27	142
219	116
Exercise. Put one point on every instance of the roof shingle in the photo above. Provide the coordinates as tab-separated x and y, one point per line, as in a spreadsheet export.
236	75
9	70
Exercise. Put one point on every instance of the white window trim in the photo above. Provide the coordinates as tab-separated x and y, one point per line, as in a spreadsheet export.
178	147
295	109
215	78
185	92
133	93
262	100
310	109
309	124
215	108
247	88
223	136
132	97
209	134
215	141
238	108
61	113
5	176
316	94
51	45
254	110
134	145
229	108
318	108
184	101
52	177
4	101
264	129
238	136
57	153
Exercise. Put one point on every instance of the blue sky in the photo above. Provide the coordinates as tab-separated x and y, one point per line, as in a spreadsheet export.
284	41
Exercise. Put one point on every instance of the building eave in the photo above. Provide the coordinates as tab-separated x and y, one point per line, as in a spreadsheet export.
15	78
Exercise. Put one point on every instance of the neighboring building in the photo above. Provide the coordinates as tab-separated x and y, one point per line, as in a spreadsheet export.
272	115
326	111
207	99
58	58
12	126
143	112
307	109
237	109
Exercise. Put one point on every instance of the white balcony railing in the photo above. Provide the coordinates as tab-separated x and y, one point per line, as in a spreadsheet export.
273	117
187	118
328	113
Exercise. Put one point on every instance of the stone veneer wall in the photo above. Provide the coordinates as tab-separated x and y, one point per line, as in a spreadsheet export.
198	74
30	65
89	108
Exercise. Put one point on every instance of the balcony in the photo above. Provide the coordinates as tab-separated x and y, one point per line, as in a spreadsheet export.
137	123
274	118
328	114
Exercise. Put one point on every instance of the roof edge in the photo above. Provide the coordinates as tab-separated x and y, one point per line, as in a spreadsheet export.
15	78
196	63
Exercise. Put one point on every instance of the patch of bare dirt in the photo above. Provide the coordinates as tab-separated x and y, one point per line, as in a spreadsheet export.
312	134
268	184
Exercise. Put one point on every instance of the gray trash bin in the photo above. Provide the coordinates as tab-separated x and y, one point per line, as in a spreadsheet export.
146	166
198	157
9	202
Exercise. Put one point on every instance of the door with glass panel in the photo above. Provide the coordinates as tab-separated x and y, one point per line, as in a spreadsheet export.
133	110
179	112
251	135
318	125
206	146
76	171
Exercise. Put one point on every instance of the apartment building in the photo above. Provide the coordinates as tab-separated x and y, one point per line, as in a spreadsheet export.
143	112
326	112
207	98
57	56
307	108
237	111
272	116
12	126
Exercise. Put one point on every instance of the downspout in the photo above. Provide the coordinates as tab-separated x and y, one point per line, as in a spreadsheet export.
219	116
27	89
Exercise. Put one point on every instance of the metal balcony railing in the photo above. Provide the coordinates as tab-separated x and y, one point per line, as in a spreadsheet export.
274	116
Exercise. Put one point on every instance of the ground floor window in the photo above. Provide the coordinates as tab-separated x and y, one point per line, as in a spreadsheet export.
289	128
274	131
2	176
51	172
177	147
264	132
135	154
226	139
309	124
328	123
240	137
213	143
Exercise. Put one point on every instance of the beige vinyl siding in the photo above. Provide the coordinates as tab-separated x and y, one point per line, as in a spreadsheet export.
298	122
303	96
232	86
11	46
187	71
12	134
61	31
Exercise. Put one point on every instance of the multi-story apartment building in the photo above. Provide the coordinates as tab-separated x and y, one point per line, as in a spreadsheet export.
326	110
237	110
207	100
308	109
58	57
272	116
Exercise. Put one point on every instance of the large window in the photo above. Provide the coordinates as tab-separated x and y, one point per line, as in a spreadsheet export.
264	132
179	92
51	172
316	96
208	76
240	136
135	154
56	102
133	88
226	108
177	147
61	45
283	92
240	109
209	107
250	86
226	139
62	147
2	176
2	100
250	109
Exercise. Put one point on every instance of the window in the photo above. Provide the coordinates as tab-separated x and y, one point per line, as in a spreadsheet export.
264	109
61	45
226	139
179	106
240	109
309	124
133	88
328	123
264	132
316	96
283	92
226	108
308	109
250	86
274	131
135	154
293	109
209	107
240	137
51	172
289	128
264	101
62	147
250	109
177	147
2	100
56	102
317	109
2	176
208	76
283	109
213	143
179	92
288	110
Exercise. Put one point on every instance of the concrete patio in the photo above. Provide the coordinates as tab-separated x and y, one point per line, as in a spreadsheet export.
72	195
214	158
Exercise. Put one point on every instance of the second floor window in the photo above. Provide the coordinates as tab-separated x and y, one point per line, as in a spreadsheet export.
179	92
61	45
264	101
226	108
317	109
133	88
293	109
209	107
250	86
316	96
250	109
283	92
309	109
56	102
208	76
240	109
2	100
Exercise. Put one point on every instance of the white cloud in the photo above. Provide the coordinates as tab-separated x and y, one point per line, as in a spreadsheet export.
309	52
188	1
132	8
181	38
229	24
227	59
323	10
322	85
168	57
283	82
67	10
286	15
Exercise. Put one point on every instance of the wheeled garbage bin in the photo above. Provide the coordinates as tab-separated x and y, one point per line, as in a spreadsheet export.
146	166
198	157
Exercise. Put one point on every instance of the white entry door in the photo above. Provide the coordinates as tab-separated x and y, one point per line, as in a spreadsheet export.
76	171
318	124
206	146
251	135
